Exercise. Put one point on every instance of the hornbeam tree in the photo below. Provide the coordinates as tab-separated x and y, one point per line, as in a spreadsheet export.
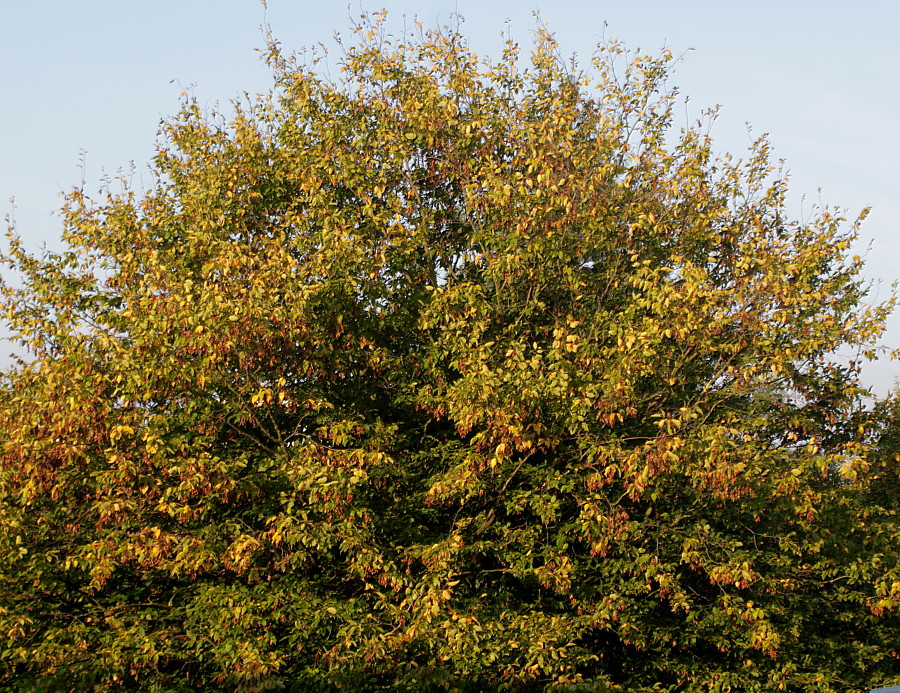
446	374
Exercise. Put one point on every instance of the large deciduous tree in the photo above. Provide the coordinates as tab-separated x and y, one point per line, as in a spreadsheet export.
446	375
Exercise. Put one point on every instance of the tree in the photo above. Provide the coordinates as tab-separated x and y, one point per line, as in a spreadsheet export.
447	376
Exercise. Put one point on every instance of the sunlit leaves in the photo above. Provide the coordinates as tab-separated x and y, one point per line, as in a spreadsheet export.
446	374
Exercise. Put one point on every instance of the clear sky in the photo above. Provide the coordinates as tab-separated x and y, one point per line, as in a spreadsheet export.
820	77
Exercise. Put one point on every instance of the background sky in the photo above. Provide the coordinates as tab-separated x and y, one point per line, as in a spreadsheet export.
95	78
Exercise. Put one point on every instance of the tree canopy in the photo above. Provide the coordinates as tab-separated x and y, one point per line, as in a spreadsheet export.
446	374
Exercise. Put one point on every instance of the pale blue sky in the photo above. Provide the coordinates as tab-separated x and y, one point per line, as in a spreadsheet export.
820	77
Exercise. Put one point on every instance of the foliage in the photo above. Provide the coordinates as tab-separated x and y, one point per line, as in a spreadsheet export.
451	376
